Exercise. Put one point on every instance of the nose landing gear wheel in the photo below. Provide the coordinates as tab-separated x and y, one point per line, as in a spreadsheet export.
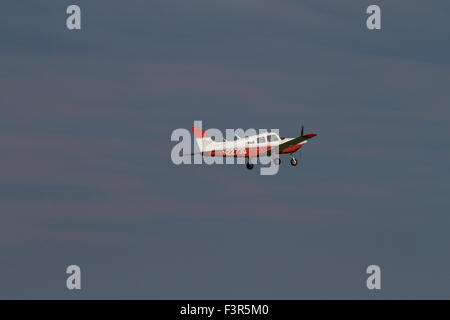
249	166
293	161
277	161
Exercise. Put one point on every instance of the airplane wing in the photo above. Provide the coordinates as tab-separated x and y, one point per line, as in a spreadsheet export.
291	143
263	151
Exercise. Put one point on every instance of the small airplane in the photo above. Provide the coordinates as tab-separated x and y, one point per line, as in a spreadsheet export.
252	146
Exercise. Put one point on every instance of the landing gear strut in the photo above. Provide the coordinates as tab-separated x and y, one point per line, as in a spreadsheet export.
249	165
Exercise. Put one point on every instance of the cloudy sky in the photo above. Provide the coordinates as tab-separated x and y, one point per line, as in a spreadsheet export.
86	176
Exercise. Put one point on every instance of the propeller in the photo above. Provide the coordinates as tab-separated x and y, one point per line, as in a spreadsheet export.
301	135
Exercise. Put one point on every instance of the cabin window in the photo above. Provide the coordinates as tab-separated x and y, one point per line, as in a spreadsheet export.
272	138
261	140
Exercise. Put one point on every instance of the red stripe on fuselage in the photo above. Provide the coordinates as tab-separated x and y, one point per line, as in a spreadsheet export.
249	152
239	152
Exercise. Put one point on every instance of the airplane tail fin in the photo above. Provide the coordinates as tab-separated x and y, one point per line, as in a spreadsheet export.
201	138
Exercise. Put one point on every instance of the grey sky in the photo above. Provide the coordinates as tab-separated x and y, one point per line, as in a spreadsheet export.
86	176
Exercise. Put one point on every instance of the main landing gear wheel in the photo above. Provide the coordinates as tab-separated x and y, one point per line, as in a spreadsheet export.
277	161
249	166
294	161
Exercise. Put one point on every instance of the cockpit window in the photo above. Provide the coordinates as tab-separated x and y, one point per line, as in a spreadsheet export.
272	138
